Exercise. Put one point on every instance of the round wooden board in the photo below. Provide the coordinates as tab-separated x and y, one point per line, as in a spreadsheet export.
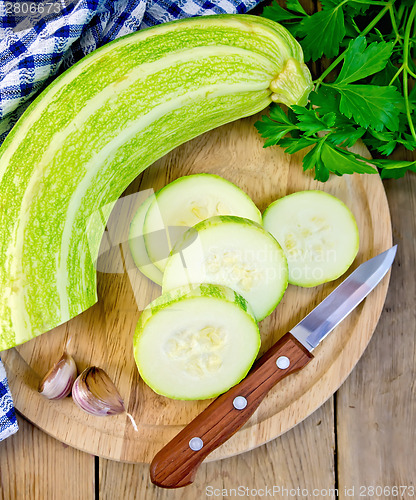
102	335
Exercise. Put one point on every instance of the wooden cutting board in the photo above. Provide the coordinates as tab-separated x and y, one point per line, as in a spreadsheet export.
102	336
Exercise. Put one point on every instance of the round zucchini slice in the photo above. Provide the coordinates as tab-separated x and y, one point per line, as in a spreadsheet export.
188	201
318	234
196	342
234	252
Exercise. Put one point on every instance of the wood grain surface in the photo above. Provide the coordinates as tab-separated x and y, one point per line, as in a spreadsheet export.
102	336
35	466
376	408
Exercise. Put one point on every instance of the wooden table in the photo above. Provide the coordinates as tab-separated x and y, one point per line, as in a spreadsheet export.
363	436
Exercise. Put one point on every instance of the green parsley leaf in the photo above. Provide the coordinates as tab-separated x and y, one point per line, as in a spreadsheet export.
277	114
408	142
275	126
327	99
385	142
370	105
387	148
277	13
396	173
312	160
326	158
329	119
323	32
291	115
385	76
383	147
381	136
347	135
321	170
310	122
366	100
394	169
342	162
295	6
351	29
271	130
361	61
329	4
293	145
355	8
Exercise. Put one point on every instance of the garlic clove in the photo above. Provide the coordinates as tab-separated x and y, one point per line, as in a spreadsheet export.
95	393
57	383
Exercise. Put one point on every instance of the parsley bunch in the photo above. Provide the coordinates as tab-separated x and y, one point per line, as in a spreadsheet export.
370	93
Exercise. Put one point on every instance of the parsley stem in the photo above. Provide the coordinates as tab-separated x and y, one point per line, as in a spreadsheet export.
329	69
396	74
394	25
404	17
370	2
400	12
335	63
406	69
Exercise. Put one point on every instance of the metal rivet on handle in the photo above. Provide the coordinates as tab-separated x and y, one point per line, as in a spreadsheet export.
283	362
240	402
196	444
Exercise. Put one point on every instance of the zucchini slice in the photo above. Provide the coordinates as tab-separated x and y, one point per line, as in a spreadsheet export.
318	234
190	200
196	342
234	252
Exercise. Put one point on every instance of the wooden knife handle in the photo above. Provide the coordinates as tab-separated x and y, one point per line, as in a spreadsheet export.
175	465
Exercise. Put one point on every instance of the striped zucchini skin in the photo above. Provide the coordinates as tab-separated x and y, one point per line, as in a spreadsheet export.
98	126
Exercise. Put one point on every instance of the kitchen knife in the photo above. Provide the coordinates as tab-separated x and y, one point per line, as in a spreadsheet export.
175	465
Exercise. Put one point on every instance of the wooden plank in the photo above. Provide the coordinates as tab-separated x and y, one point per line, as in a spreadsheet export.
302	458
35	466
376	407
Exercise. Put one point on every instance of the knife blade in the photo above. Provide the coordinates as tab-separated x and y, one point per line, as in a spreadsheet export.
346	297
176	464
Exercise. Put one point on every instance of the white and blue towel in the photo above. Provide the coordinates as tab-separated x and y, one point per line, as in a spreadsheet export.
35	47
8	422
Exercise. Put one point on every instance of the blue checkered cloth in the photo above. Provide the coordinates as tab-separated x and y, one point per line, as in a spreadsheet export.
8	422
35	48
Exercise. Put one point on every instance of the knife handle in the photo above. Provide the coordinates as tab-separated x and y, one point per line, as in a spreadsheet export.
175	465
